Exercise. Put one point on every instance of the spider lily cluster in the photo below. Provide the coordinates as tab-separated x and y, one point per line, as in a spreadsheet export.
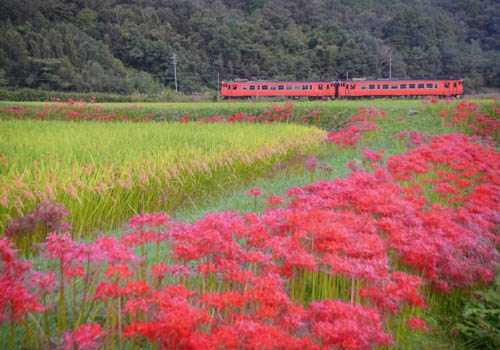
351	263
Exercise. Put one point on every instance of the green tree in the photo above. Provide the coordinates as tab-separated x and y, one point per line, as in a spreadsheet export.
86	19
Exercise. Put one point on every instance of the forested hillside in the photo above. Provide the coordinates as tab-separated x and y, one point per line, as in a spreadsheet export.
127	46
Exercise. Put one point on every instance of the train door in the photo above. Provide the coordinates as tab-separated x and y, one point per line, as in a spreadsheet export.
223	90
461	89
337	90
330	90
454	88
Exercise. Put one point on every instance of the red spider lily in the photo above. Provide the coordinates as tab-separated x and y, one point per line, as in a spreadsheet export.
417	323
348	326
106	290
45	282
390	294
7	254
149	220
223	301
139	287
371	156
60	246
16	281
252	281
86	337
255	192
118	270
274	201
72	271
111	250
177	321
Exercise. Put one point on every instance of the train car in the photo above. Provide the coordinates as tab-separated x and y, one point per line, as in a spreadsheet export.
240	89
350	89
401	88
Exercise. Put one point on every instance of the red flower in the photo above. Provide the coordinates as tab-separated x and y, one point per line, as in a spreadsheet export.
71	271
274	201
139	287
121	271
255	192
417	323
87	337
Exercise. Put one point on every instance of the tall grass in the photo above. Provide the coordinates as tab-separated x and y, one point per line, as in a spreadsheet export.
105	173
332	113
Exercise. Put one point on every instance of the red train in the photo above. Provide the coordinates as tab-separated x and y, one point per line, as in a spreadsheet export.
239	89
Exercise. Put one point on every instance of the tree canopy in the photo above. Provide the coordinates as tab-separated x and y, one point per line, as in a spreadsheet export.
127	46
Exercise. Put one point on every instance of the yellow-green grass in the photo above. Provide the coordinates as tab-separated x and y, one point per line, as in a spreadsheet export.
104	173
333	114
210	109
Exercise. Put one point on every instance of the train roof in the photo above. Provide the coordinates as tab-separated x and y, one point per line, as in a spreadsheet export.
276	81
240	81
395	80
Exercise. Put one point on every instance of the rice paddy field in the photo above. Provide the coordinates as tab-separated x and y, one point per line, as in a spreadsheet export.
105	173
249	225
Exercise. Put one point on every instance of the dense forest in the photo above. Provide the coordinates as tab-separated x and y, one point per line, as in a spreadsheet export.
127	46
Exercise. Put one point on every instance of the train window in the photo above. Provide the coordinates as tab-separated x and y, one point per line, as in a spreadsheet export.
310	87
258	87
265	87
446	85
385	86
412	86
363	87
353	86
320	86
402	86
289	87
429	86
371	86
305	87
296	87
252	87
224	85
394	86
435	86
245	87
327	86
378	86
454	84
421	86
235	87
281	87
273	87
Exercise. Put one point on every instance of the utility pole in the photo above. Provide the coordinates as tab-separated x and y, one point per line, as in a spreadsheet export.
218	87
347	75
390	65
174	59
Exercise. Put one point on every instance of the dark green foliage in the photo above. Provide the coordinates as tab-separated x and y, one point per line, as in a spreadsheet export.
126	47
480	325
26	94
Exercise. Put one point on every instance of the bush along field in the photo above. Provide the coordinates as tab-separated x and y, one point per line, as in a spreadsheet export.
395	247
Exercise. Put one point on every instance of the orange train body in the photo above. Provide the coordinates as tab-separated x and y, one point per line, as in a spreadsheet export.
240	89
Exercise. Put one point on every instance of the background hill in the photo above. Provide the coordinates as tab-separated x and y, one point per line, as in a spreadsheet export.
127	46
